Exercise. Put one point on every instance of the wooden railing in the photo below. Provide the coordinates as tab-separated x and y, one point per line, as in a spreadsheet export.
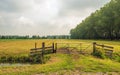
108	49
43	50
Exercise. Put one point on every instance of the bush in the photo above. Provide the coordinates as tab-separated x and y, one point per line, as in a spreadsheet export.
24	59
3	59
99	53
14	59
116	57
39	59
36	59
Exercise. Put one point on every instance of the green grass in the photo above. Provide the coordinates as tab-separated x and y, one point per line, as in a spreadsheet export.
92	64
58	62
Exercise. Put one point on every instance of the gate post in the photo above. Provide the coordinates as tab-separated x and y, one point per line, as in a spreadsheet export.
35	45
94	48
43	48
53	47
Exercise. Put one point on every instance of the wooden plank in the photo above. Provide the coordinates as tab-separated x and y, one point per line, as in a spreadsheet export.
98	45
48	47
109	46
36	52
69	43
105	46
108	50
35	48
108	53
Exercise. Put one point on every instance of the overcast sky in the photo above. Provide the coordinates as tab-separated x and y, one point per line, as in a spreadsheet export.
44	17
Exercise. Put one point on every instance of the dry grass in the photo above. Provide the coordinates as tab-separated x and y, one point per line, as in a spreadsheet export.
58	62
20	47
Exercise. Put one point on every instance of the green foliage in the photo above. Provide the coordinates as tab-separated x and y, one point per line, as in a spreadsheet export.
116	57
99	53
24	59
14	59
102	24
37	59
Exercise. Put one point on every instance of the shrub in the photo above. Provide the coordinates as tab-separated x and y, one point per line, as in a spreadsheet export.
37	58
14	59
3	59
116	57
99	53
24	59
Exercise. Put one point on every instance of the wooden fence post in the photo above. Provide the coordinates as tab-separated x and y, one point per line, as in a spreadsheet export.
94	48
53	47
80	48
102	46
43	48
35	45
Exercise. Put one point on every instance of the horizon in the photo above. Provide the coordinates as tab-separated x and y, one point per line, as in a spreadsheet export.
44	17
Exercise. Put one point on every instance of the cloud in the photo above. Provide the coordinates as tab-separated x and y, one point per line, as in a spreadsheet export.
15	5
78	4
44	17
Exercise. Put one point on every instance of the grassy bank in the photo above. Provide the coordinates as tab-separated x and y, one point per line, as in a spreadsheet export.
60	62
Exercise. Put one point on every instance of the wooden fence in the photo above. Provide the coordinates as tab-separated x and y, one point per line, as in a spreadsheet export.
108	49
69	47
42	51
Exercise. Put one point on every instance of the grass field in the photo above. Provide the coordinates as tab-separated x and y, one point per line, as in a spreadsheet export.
59	63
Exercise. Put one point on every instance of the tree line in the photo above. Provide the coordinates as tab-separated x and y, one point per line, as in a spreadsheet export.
102	24
34	37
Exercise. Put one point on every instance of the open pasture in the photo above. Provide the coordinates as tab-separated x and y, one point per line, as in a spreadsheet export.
58	63
22	47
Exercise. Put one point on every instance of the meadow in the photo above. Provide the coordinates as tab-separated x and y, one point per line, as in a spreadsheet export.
58	63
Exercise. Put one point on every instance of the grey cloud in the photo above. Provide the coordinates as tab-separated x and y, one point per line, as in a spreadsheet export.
44	17
81	4
80	7
15	5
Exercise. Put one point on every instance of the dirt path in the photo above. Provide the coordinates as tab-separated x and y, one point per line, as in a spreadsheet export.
67	51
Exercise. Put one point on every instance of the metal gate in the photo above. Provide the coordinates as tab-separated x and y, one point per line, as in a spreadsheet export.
73	48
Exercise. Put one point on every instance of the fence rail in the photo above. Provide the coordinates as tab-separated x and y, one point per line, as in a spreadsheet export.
42	51
83	48
108	49
105	46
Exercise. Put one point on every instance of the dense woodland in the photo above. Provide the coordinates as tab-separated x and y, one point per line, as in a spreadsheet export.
102	24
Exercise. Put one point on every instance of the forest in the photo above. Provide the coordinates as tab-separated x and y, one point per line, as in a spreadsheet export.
102	24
